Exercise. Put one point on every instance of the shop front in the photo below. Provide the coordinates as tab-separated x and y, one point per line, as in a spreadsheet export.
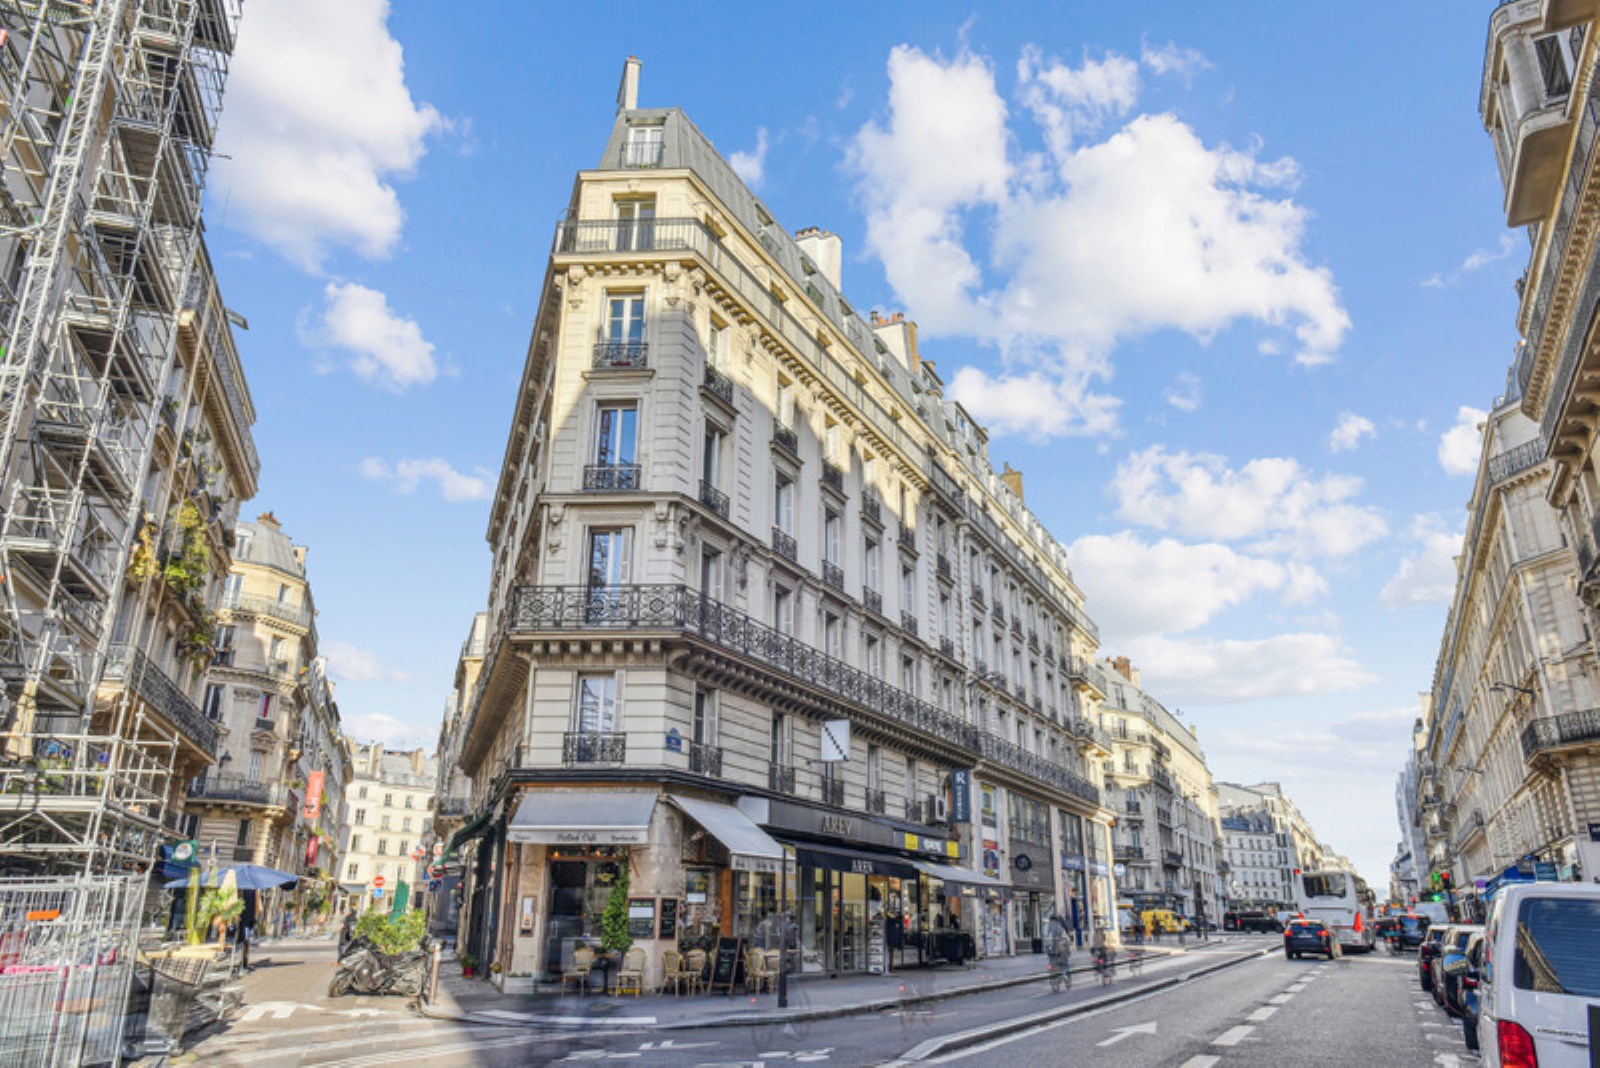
1033	894
960	899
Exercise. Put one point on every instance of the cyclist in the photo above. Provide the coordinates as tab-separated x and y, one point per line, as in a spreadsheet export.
1104	947
1058	945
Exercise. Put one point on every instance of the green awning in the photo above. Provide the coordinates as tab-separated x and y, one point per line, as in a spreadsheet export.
474	829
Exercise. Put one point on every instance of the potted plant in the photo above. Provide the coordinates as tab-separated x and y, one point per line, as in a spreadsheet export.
614	920
469	965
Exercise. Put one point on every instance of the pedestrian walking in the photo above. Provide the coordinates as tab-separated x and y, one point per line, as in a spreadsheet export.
347	930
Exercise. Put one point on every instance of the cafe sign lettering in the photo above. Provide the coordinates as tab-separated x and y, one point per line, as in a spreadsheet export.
579	837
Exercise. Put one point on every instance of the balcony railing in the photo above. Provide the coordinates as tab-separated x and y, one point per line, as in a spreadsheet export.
833	476
977	597
1129	852
907	538
621	355
999	612
452	808
296	614
130	666
1164	815
714	498
611	478
265	725
833	792
594	747
1172	858
1134	807
833	575
942	566
780	779
1556	732
705	759
1013	756
784	545
914	811
787	439
239	789
719	384
871	507
1517	460
1016	626
873	600
643	154
908	623
877	802
947	646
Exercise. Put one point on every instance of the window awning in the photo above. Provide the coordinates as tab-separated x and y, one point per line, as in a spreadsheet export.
579	817
853	861
969	883
473	828
749	847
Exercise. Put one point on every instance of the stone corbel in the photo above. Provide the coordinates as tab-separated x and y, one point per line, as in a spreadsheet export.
555	516
576	276
663	528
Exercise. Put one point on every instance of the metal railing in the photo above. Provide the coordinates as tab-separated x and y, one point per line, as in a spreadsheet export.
873	600
611	478
908	623
642	154
977	597
907	537
237	788
833	575
714	498
942	566
1173	858
947	646
719	384
780	779
786	438
128	665
833	792
1128	852
1555	732
784	545
452	808
914	811
621	355
295	614
1517	460
705	759
877	802
871	507
833	476
594	747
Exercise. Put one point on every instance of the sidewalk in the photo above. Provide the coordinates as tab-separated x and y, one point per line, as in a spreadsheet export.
478	1001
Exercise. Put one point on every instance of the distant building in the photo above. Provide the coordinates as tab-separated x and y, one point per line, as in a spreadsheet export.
390	799
1259	862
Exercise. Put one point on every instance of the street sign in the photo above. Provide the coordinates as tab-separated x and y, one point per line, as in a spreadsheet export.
377	881
377	891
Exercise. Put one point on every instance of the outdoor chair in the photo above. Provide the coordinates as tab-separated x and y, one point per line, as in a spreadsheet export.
631	974
756	975
696	967
674	973
578	971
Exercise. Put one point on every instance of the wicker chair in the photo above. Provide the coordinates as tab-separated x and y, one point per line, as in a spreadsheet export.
578	972
631	974
674	974
695	966
756	975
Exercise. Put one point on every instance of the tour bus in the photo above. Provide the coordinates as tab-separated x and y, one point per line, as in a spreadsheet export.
1330	896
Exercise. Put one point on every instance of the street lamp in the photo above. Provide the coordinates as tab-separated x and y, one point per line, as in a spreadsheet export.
1515	689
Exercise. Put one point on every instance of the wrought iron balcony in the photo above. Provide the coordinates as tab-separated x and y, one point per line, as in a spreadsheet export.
1033	639
1558	732
1049	653
452	808
719	384
907	538
993	747
999	612
784	545
947	646
626	235
594	747
621	355
265	725
1128	852
611	478
1133	807
1164	815
873	600
705	759
786	438
942	566
977	597
877	802
871	507
1172	858
1022	694
130	666
908	623
833	476
1016	626
833	575
914	811
1161	778
238	789
642	154
298	615
833	792
780	779
713	498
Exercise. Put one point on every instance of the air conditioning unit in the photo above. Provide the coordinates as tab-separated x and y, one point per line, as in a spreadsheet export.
939	807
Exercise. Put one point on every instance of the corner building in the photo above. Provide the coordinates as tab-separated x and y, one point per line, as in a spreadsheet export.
739	531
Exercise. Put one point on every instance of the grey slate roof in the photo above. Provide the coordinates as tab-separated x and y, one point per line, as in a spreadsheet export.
268	547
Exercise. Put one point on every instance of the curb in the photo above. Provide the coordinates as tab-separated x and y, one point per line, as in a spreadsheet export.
977	1036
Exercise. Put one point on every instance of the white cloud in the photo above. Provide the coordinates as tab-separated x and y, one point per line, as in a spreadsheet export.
1147	230
1476	260
1185	392
1138	588
1428	574
1459	446
1169	58
1273	503
379	727
751	166
1351	429
1034	405
351	663
1197	671
406	475
384	348
318	125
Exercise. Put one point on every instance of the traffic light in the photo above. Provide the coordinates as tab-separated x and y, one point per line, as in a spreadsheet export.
1444	879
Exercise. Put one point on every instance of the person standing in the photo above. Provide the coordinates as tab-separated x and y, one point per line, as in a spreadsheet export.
347	930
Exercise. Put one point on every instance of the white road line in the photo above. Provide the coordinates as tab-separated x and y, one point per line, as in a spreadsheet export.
1233	1035
1263	1013
1295	989
1205	1060
1281	999
434	1051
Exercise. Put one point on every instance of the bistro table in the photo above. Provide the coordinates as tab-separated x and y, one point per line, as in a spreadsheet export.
606	963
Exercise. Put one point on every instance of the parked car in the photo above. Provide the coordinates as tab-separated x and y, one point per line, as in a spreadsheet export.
1413	929
1540	977
1307	936
1467	984
1425	954
1450	966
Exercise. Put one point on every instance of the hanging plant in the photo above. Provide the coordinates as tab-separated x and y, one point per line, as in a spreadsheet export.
188	564
142	562
200	643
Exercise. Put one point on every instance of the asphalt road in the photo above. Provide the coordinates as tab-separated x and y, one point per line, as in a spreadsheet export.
1265	1011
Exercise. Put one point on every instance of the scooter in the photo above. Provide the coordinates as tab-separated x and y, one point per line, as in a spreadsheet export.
365	969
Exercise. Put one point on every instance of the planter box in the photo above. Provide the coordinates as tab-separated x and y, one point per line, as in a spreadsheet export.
519	984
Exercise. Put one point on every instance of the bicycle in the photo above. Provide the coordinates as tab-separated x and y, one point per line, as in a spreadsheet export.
1060	975
1105	966
1135	963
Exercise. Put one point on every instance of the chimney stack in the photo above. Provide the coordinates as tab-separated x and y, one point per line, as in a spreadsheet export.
825	250
628	91
1013	479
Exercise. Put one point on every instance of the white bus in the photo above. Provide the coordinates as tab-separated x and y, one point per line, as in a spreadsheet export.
1330	896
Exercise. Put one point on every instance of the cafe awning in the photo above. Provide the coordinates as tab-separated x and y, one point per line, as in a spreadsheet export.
853	861
749	847
581	818
969	883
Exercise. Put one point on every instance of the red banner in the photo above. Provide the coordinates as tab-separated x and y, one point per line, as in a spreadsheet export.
313	806
311	852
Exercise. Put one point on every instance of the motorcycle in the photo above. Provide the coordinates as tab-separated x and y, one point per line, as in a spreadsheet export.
366	969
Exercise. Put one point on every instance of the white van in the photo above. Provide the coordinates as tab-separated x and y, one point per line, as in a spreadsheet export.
1540	976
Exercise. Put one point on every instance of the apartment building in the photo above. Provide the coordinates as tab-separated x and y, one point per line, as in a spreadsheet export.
1496	785
1278	809
1260	865
125	445
389	801
1167	843
767	630
276	794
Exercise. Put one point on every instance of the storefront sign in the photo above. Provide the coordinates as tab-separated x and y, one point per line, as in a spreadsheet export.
991	858
759	865
961	796
669	918
939	847
526	921
1097	867
1072	862
696	885
1594	832
1030	867
641	917
782	815
607	836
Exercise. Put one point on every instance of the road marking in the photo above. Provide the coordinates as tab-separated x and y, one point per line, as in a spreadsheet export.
1281	999
1120	1033
392	1057
226	1042
1205	1060
586	1021
1295	989
1263	1013
1233	1035
280	1010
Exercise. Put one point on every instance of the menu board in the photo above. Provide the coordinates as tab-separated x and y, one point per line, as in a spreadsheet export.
641	917
728	965
669	918
875	945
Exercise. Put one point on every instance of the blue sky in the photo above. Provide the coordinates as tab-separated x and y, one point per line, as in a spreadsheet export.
1222	286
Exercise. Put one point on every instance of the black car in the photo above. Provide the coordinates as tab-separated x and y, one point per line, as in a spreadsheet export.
1466	989
1425	954
1307	936
1412	930
1448	967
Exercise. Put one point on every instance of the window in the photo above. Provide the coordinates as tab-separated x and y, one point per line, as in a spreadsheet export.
871	562
908	590
908	674
597	704
717	346
944	616
241	544
705	718
711	574
783	504
361	793
213	706
874	768
785	405
284	593
832	531
645	146
384	822
874	657
264	710
410	801
711	455
224	653
353	871
636	223
361	813
383	847
911	778
832	635
405	847
275	652
782	610
405	821
833	443
1553	66
625	320
616	434
609	553
778	752
388	800
254	774
355	843
231	587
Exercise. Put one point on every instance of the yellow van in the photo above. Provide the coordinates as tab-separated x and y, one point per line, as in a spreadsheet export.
1161	921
